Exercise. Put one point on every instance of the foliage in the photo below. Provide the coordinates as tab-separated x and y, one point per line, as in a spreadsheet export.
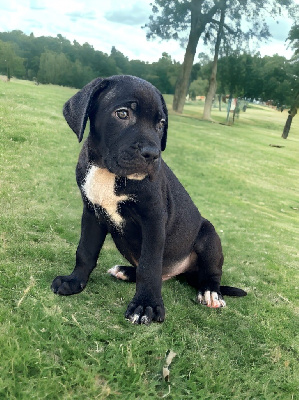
198	87
58	61
294	38
10	63
189	20
294	78
265	78
81	346
172	19
294	63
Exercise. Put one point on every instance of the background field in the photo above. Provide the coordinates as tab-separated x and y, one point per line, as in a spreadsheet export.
81	347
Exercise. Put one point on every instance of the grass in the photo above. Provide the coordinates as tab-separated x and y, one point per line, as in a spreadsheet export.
80	347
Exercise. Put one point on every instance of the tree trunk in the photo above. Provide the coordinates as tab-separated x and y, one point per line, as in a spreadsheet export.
182	84
211	93
198	24
8	74
213	81
287	127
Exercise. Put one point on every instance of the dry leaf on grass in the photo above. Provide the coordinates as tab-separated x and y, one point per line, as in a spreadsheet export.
168	361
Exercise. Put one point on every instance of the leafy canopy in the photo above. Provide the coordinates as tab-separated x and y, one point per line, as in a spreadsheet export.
244	19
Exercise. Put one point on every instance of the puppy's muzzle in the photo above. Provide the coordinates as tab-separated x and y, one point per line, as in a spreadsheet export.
150	153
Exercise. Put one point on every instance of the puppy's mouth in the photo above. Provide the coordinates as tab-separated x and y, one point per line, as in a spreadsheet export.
137	177
134	170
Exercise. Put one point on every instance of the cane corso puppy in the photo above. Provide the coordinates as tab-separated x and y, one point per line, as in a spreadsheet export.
129	192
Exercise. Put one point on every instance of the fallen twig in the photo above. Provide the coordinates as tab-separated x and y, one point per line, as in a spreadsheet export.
26	291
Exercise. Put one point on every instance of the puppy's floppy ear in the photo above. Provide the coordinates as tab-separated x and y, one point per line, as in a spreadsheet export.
164	137
77	108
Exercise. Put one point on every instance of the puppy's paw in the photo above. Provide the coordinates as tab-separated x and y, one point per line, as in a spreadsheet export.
67	285
145	314
210	299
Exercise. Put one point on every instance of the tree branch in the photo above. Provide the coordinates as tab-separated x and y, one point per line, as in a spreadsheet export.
228	28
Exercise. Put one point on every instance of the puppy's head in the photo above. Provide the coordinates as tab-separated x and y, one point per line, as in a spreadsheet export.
128	124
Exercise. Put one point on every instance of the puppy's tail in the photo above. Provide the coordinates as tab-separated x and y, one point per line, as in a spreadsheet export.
232	291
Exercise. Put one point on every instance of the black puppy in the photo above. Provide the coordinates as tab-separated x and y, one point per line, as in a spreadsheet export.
129	192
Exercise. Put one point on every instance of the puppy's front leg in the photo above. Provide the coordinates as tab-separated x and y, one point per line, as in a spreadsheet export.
92	238
147	304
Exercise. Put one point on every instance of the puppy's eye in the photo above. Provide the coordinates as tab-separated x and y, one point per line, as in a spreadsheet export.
122	113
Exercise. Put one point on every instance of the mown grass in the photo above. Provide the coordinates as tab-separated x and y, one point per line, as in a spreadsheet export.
81	347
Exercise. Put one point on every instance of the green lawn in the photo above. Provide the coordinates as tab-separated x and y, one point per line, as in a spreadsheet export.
81	347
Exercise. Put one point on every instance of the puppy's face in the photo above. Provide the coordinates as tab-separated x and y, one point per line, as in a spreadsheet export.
128	123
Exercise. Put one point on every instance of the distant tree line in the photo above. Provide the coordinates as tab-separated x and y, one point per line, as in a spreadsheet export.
56	60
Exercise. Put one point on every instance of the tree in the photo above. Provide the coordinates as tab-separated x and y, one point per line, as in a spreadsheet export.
292	113
276	79
244	75
165	73
56	60
176	17
199	87
171	18
294	93
293	38
10	63
121	61
213	82
139	68
81	74
55	68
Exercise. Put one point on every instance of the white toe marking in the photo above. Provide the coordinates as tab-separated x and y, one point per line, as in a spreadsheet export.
200	298
145	320
207	298
215	303
114	271
120	275
135	318
210	299
222	303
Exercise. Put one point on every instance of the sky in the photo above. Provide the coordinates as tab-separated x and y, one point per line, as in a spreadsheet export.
104	23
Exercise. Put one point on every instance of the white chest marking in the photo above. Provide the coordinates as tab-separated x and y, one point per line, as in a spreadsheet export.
99	188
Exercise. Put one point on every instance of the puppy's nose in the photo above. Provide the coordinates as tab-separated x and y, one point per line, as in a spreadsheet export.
150	153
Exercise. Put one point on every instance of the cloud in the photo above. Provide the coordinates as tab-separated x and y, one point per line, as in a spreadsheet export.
279	28
75	15
8	6
104	24
136	14
33	24
37	5
275	47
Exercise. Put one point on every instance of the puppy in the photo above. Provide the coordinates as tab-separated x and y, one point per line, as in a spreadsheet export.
129	192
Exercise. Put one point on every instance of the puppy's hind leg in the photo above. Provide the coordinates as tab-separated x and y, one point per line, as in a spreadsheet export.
124	273
209	263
